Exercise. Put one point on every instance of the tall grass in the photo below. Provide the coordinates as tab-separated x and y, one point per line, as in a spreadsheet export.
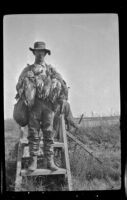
104	141
87	174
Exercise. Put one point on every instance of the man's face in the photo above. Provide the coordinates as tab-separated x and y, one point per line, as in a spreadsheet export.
39	55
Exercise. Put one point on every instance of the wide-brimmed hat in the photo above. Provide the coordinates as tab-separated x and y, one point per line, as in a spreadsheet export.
40	46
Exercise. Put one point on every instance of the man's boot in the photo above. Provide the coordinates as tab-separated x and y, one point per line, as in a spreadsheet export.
50	163
33	164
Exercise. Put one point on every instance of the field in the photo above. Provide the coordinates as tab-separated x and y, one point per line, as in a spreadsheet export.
101	136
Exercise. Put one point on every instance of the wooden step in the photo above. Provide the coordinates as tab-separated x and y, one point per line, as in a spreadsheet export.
24	140
26	149
56	144
39	172
26	153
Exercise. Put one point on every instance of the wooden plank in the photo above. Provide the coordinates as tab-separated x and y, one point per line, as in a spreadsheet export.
63	131
83	146
26	153
58	144
39	172
24	140
60	132
18	180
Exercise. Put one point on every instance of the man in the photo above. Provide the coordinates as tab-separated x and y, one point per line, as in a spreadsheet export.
42	88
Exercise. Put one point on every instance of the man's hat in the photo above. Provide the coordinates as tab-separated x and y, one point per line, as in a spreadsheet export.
40	46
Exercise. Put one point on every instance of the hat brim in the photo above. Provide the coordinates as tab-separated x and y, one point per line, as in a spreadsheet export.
46	50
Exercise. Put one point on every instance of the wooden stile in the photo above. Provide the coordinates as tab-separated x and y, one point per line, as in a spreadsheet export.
61	145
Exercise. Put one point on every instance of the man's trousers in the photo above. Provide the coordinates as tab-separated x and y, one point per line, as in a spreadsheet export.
41	117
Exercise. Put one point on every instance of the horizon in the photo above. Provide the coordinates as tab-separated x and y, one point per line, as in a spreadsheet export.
90	116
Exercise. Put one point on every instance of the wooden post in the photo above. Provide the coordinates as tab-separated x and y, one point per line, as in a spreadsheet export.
18	180
62	126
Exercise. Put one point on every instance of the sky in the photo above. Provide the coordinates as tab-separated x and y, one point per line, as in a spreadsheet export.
84	50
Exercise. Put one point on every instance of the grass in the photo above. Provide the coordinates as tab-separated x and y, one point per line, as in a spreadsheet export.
104	141
87	173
